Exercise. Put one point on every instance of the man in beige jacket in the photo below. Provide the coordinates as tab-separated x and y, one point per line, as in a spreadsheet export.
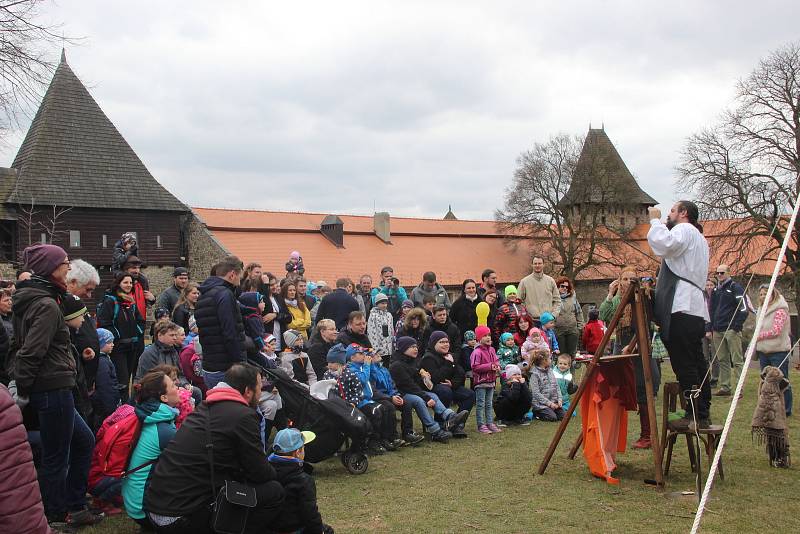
539	292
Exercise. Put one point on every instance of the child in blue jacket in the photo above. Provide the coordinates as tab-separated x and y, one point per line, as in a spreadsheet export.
549	332
105	397
386	393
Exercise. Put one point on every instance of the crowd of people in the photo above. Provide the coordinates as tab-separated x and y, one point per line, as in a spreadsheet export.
203	413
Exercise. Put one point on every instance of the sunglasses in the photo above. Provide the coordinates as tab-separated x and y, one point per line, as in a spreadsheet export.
721	272
563	285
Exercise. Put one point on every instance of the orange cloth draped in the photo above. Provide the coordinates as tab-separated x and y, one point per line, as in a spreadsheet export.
610	393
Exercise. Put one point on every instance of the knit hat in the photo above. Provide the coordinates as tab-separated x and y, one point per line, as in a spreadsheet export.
321	284
294	255
505	337
404	343
180	271
337	354
43	259
269	339
353	349
407	304
73	307
511	370
291	439
290	337
380	297
105	337
510	289
481	332
310	287
251	299
469	335
546	317
436	336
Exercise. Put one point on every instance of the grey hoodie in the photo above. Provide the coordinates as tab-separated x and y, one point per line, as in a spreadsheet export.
438	291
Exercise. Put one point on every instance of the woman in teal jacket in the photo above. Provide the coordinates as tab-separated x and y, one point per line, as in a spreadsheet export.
156	402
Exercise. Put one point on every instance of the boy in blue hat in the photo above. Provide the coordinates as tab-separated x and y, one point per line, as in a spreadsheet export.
549	332
299	511
105	397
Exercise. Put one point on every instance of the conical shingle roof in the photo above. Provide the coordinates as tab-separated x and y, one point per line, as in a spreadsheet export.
74	156
601	175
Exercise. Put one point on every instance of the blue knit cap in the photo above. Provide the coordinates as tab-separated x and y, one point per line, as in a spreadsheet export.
105	337
546	317
505	337
337	354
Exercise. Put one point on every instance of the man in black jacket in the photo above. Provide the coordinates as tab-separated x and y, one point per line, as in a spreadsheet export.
728	313
168	299
219	321
337	305
179	494
441	322
356	331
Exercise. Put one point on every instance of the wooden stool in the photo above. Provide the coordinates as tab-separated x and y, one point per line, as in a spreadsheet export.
708	436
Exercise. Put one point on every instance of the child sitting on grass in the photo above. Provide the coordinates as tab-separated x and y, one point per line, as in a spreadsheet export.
299	512
485	367
546	403
514	399
563	375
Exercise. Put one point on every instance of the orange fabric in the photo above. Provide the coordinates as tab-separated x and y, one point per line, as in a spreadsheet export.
610	393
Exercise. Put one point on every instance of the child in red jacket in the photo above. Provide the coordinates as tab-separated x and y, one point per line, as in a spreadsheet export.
593	332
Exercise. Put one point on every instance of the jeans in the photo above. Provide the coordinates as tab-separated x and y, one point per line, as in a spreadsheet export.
484	398
125	359
212	378
638	373
465	398
728	347
421	407
685	348
67	445
708	353
779	359
107	489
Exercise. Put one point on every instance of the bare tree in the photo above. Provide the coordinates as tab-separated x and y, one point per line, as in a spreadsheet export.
745	169
27	219
559	198
26	49
50	223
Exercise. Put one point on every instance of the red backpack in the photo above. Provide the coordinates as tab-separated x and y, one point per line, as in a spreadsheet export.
114	446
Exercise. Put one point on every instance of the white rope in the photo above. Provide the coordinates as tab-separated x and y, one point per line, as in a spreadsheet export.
748	357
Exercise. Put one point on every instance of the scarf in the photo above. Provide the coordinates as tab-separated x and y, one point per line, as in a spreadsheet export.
769	418
472	298
291	302
126	300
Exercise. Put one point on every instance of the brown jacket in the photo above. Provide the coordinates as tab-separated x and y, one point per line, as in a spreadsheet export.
43	361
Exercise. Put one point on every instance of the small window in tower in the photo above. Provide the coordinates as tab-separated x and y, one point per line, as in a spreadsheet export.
158	241
74	238
105	241
603	219
622	221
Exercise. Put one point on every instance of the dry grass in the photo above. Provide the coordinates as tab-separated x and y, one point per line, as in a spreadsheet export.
488	484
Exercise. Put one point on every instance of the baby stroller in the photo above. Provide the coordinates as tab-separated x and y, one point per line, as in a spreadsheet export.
338	426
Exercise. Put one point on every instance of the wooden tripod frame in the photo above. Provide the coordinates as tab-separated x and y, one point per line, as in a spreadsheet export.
634	296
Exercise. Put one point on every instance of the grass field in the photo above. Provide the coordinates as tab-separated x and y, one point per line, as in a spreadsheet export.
488	484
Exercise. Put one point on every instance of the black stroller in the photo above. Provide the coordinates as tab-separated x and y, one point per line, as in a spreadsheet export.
339	427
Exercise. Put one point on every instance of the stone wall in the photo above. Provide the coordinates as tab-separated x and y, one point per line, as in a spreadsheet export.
203	248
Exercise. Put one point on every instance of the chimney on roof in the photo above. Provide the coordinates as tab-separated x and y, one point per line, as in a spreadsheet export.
381	226
332	228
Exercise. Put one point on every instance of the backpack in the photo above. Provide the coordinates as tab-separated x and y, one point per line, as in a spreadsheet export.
115	444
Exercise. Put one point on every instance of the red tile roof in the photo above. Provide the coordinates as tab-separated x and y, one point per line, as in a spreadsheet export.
453	249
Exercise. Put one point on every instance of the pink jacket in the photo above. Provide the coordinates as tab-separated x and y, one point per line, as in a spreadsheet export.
21	507
482	359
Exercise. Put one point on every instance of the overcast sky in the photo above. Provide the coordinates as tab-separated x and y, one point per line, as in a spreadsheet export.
404	106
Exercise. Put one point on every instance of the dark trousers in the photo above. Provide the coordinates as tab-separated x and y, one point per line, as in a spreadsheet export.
269	497
465	398
67	445
549	414
125	359
406	418
381	417
567	342
685	348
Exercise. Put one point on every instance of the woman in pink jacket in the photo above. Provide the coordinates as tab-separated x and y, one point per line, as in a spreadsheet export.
21	507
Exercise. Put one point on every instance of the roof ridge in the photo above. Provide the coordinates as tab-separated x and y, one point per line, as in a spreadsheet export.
255	210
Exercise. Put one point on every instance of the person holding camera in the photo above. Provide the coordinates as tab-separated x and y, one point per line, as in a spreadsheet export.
390	286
